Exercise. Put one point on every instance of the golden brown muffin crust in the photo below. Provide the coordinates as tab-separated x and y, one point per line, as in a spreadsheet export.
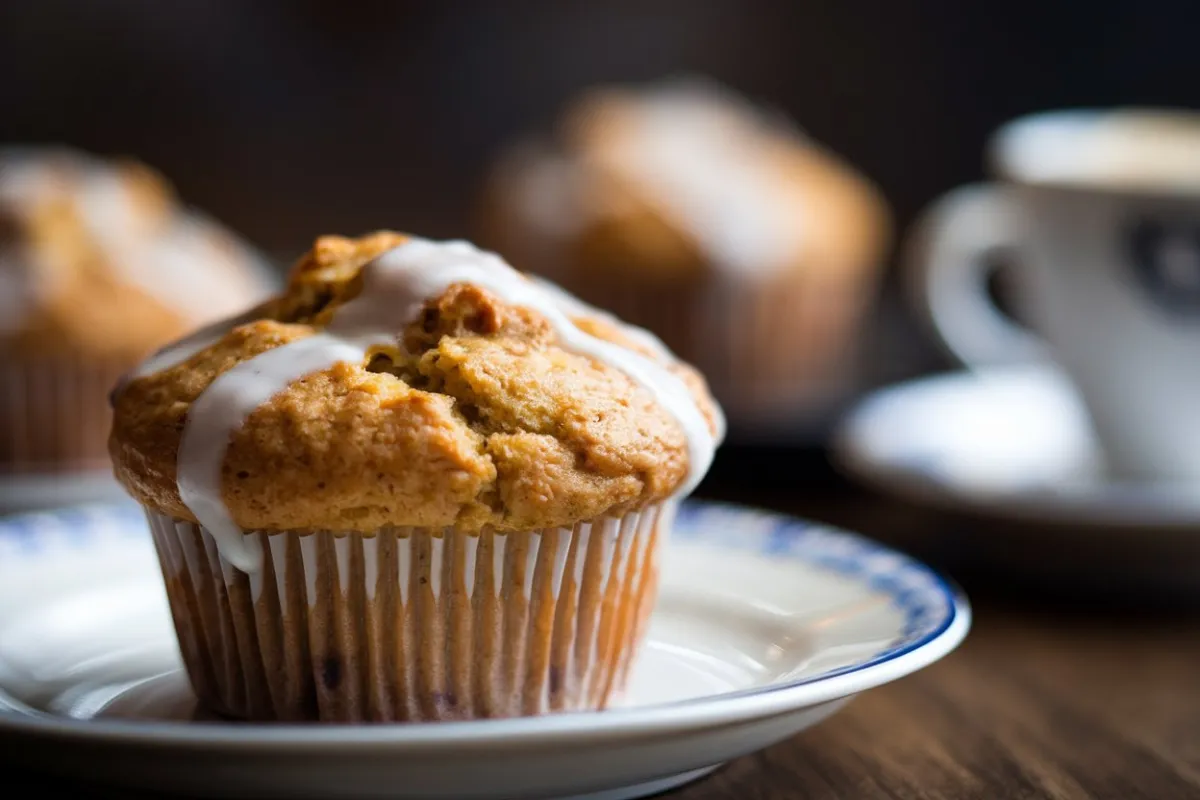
480	419
75	298
609	223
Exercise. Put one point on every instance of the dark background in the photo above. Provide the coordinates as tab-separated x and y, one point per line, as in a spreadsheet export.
288	118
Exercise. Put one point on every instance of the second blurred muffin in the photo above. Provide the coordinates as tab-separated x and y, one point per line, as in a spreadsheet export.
751	250
99	266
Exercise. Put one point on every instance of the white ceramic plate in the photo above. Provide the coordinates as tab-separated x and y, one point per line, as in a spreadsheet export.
1011	443
766	625
38	491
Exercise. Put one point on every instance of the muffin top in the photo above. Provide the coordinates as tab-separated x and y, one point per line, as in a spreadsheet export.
403	382
676	178
98	258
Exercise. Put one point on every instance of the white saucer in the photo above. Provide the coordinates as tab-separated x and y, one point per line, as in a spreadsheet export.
766	625
1011	443
51	490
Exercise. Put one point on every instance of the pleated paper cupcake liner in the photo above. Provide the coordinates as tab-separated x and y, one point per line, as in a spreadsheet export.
413	624
54	413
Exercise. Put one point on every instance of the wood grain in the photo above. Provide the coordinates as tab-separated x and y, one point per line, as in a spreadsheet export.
1028	707
1061	690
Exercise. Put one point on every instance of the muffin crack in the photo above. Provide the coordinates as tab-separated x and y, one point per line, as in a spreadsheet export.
477	416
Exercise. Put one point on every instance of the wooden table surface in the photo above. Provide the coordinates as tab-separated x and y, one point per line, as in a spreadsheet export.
1067	695
1059	691
1031	706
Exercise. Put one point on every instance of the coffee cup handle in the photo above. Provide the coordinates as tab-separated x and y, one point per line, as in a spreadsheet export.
947	271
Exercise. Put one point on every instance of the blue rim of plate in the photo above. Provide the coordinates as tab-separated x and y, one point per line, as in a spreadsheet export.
930	604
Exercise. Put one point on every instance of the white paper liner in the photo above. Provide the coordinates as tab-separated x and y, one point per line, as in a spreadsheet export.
414	624
54	413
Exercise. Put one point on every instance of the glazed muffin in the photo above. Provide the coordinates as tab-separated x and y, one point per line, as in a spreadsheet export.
415	486
750	249
99	266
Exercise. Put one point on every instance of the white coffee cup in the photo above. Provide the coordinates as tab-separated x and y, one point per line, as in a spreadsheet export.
1098	213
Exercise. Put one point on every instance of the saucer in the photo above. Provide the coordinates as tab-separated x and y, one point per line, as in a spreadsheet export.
1008	456
766	625
1012	443
31	492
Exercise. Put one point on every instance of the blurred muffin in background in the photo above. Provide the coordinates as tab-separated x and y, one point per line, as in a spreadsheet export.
99	266
750	249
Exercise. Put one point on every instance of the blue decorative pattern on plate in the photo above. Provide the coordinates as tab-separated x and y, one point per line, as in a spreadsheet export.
765	625
924	597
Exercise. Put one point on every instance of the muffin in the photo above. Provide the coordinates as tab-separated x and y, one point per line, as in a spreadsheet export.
99	265
749	248
415	486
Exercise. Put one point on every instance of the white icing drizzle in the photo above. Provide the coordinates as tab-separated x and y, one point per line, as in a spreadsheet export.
221	409
695	151
178	352
26	180
395	288
548	189
174	254
199	268
572	306
183	260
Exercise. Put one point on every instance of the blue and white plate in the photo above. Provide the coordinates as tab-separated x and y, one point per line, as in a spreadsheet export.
765	626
